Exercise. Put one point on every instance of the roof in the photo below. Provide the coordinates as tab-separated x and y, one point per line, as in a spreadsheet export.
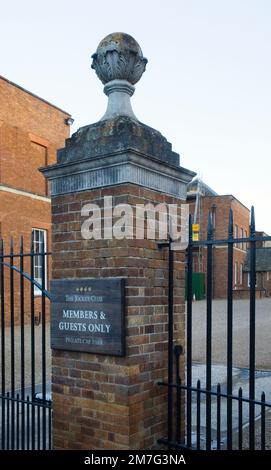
263	260
197	185
206	191
33	94
237	200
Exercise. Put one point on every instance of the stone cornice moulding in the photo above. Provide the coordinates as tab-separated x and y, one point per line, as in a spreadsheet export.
115	169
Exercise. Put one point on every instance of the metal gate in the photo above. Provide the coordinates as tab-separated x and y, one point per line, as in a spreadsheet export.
196	407
25	400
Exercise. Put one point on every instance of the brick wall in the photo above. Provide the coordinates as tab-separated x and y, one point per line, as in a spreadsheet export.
110	402
21	109
19	215
31	130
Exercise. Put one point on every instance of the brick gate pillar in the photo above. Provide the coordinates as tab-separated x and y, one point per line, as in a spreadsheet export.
105	401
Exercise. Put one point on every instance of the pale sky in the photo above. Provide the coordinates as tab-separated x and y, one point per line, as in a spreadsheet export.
206	86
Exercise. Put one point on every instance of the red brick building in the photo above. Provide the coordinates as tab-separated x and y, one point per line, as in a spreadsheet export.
202	200
31	130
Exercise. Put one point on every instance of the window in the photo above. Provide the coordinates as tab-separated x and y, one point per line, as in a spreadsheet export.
267	276
235	273
241	274
39	246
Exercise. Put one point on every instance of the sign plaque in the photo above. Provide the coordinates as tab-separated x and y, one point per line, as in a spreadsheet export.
88	315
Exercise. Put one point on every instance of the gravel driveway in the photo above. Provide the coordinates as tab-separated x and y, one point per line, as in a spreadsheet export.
240	332
27	362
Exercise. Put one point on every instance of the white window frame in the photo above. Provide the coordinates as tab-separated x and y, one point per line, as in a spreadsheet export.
37	291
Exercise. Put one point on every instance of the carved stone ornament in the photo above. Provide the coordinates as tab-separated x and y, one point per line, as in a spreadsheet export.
119	64
119	57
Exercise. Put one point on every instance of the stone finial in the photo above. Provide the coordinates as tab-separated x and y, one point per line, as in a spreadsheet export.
119	64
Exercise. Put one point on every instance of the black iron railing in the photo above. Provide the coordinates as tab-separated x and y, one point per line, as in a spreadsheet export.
25	420
199	426
25	424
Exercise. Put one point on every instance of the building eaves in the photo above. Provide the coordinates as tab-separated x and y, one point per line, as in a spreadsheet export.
33	94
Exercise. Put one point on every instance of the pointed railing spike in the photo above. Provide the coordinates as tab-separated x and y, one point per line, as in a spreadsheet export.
210	227
230	228
21	244
252	221
32	242
11	245
190	228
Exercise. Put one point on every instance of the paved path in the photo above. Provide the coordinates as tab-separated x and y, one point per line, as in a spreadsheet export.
38	356
240	379
240	333
219	342
240	359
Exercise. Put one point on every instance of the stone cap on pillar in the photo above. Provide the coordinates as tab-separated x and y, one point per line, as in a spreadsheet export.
118	148
119	64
